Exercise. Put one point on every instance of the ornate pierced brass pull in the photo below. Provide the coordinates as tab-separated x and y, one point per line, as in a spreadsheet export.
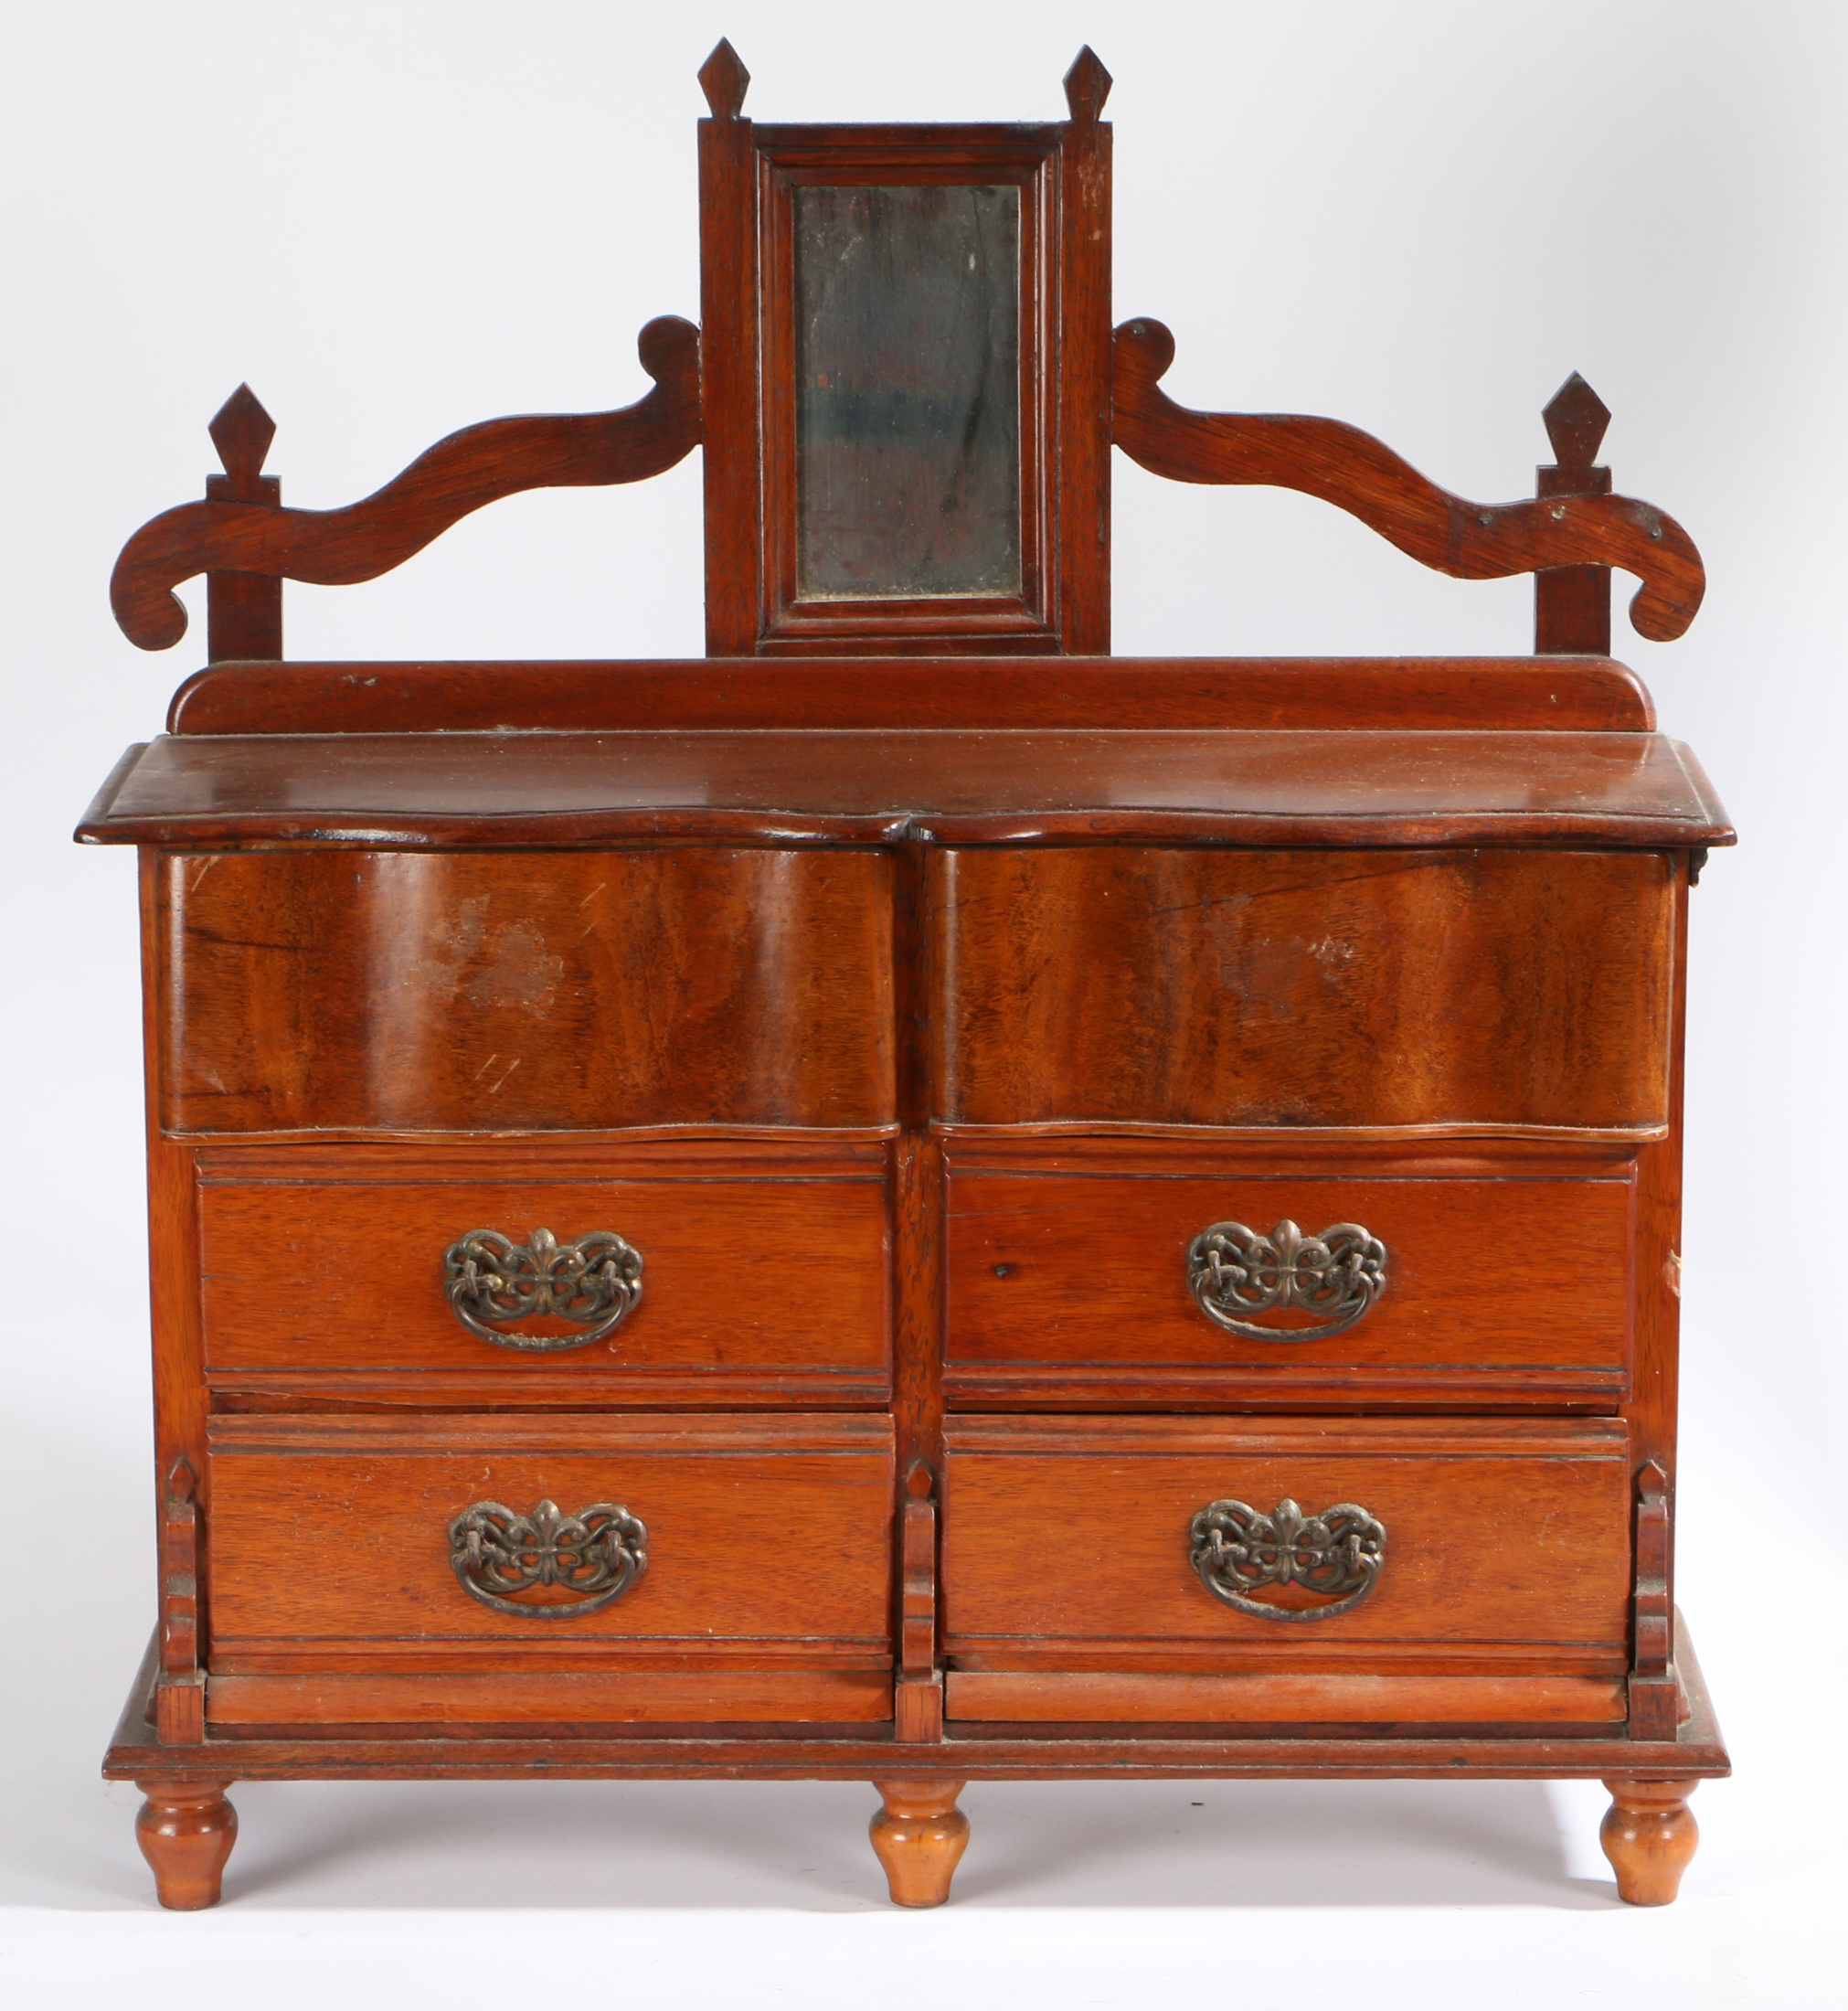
1337	1278
595	1283
594	1556
1237	1552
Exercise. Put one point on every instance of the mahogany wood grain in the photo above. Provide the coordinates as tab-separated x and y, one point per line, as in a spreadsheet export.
1654	1399
1478	1305
180	1702
304	1280
186	1830
912	1013
729	287
1649	1836
707	1695
243	610
1494	988
1367	789
809	1496
746	173
918	1574
1271	1152
563	992
1340	464
1082	490
1300	1697
919	1835
478	465
1698	1751
1520	693
1074	1529
918	1710
180	1399
1572	604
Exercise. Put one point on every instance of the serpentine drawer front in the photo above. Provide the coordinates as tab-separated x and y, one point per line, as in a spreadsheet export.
1511	990
726	1275
557	1569
1083	1555
1085	1287
434	992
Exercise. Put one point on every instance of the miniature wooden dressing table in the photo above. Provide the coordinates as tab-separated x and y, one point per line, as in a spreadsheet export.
913	1201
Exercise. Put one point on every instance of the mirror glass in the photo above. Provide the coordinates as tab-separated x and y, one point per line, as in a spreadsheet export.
907	391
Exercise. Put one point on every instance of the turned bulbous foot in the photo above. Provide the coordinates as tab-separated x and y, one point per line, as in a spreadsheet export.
1650	1837
919	1835
186	1832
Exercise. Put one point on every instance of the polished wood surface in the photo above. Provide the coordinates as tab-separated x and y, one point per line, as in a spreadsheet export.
283	1308
291	1495
746	174
243	610
919	1835
1074	1530
1650	1834
1572	604
1499	989
185	1831
563	1700
1003	1753
476	466
1397	788
1343	465
910	1012
523	992
1477	693
1312	1697
1475	1297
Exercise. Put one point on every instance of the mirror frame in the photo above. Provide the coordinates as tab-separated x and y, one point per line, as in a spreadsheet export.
747	357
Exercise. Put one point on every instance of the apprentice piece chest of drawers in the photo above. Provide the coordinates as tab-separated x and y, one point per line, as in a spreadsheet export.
912	1200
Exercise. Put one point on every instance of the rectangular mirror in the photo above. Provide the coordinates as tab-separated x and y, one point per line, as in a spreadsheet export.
907	460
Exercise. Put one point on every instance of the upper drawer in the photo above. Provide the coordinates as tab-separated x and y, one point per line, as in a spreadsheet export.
729	1286
1503	990
524	991
1067	1288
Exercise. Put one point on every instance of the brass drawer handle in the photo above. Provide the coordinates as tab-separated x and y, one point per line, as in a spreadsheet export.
492	1280
596	1556
1238	1551
1337	1278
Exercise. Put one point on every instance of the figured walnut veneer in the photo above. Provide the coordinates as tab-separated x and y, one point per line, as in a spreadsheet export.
562	992
1505	990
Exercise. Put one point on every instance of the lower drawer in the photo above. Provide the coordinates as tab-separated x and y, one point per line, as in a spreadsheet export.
568	1568
1303	1570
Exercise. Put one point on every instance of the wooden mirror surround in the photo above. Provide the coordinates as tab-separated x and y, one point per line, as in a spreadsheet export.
906	407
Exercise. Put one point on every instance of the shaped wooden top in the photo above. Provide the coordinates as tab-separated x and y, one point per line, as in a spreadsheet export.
1268	787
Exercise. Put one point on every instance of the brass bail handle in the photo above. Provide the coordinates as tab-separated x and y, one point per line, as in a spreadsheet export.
1337	1278
1237	1550
491	1282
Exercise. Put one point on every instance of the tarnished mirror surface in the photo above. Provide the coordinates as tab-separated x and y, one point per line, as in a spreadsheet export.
907	391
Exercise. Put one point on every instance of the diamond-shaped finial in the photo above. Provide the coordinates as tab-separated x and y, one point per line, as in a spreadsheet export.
1575	419
725	81
182	1481
241	430
1087	85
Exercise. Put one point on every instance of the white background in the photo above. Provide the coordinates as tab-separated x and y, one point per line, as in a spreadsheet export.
395	219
